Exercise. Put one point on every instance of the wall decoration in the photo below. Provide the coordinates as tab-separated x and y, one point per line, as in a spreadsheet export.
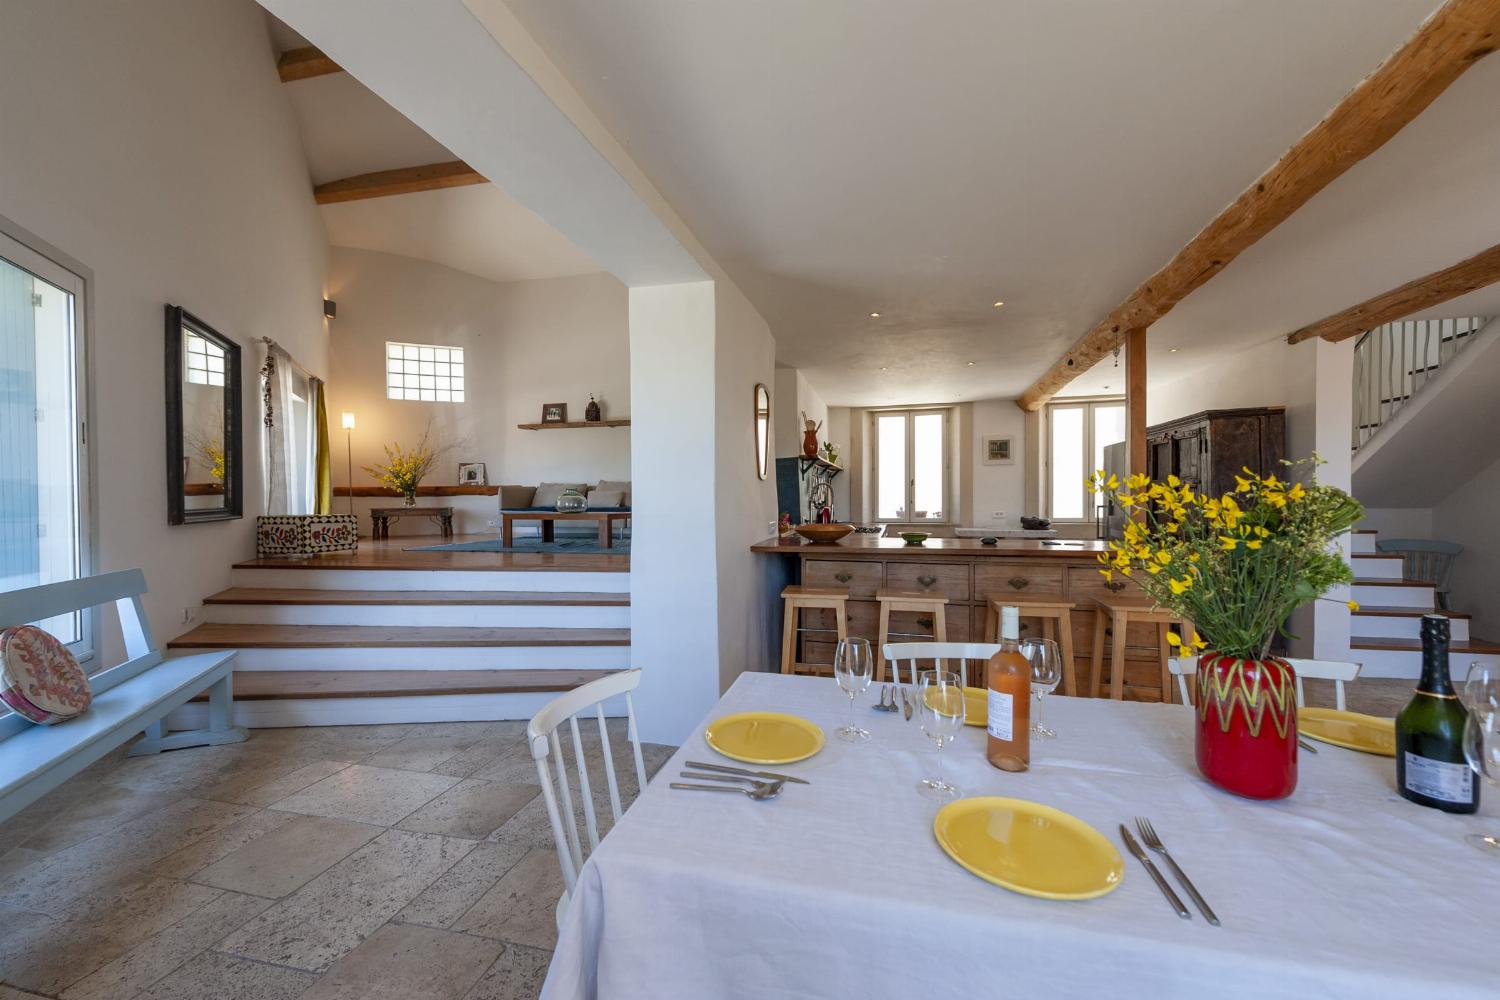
471	474
593	413
554	413
204	459
999	451
762	429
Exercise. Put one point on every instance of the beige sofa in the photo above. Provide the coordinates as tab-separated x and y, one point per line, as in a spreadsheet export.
605	493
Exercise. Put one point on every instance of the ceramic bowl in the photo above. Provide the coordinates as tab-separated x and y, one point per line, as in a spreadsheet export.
915	537
823	532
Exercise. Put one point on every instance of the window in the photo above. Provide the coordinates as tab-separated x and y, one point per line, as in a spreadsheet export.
911	465
1078	436
424	372
204	362
43	486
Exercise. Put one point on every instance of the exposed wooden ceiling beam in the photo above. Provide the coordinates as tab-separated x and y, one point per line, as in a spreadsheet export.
300	64
1478	271
1455	37
432	177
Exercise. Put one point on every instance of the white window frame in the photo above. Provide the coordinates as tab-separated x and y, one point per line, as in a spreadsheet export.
35	256
441	380
909	502
1088	405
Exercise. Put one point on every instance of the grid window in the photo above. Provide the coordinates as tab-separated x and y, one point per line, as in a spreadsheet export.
424	372
205	361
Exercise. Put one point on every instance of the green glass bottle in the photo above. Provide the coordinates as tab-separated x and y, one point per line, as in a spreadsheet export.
1430	765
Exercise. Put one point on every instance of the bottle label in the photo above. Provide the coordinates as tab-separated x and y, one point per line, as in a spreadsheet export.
1002	716
1438	779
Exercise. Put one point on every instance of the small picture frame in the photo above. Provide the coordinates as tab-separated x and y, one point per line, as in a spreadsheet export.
471	474
999	451
554	413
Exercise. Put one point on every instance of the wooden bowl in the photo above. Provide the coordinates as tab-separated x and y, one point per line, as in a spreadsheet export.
826	533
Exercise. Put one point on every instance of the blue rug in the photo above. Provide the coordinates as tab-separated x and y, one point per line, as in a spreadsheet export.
575	546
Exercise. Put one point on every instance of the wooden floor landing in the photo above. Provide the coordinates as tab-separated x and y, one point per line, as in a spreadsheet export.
391	554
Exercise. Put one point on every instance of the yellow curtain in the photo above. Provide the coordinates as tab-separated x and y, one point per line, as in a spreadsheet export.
323	488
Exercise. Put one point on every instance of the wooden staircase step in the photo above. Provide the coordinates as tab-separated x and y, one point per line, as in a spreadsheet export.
1358	582
223	636
1386	611
486	598
272	685
1472	645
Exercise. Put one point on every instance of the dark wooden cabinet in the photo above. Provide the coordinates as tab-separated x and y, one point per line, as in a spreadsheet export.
1208	449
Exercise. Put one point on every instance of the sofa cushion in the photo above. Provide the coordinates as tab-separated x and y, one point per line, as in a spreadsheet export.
547	493
610	484
606	498
516	497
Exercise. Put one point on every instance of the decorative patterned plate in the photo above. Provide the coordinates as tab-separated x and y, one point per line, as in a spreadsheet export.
1350	730
39	678
764	737
1029	848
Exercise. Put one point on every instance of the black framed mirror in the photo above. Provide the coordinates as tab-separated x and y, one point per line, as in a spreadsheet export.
205	460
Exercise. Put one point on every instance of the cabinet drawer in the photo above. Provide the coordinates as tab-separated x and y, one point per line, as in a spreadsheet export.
1087	584
1018	580
861	578
952	581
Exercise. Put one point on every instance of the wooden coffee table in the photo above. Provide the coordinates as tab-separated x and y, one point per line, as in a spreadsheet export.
606	519
380	518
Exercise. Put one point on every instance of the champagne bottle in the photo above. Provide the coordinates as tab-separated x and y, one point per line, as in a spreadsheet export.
1430	765
1008	676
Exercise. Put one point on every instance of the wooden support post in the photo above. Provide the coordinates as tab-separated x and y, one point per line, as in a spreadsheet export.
1135	399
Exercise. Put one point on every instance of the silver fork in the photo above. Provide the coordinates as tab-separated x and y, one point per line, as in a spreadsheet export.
1148	834
887	700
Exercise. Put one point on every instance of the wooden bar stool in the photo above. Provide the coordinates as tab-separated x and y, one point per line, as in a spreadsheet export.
923	604
1057	625
799	599
1118	618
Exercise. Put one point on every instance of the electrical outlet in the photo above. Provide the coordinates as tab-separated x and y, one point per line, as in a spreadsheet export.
491	523
997	514
188	614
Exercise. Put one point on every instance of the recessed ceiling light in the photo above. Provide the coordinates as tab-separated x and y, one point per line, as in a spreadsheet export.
1171	350
999	304
885	369
1106	387
874	315
971	364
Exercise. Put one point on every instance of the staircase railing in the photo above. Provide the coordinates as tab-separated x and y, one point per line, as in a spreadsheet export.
1393	362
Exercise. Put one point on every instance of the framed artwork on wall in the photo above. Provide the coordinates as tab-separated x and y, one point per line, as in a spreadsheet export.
554	413
471	474
999	451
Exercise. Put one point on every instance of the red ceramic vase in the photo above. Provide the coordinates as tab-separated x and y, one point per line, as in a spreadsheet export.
1247	725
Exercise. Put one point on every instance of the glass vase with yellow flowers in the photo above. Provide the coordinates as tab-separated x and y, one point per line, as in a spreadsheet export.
404	469
1235	566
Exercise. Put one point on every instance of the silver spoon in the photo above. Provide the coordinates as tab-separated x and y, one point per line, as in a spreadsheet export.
743	778
759	792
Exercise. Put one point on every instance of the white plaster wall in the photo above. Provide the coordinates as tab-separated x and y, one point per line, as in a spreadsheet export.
794	396
153	142
1467	516
999	487
525	343
837	430
1400	522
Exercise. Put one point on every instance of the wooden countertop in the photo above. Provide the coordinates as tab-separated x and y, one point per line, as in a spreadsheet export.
859	546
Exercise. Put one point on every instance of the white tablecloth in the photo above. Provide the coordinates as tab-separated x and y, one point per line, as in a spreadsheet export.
838	889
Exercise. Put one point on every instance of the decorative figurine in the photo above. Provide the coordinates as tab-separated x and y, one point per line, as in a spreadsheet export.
592	413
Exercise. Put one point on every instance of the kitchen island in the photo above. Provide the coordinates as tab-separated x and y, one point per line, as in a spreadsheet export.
969	573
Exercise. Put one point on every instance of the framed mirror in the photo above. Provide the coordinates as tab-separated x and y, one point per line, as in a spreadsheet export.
762	429
205	464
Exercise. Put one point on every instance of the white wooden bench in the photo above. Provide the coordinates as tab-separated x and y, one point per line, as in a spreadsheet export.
130	698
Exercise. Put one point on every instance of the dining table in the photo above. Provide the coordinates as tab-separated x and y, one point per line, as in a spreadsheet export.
839	888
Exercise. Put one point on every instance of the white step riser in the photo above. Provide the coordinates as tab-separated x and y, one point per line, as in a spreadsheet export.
497	616
1362	544
372	711
1408	663
1384	568
362	579
1382	627
436	658
1416	598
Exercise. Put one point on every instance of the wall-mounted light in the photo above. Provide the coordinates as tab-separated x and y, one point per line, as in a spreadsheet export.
330	308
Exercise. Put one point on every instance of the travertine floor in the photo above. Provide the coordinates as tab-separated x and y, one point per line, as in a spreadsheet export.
402	862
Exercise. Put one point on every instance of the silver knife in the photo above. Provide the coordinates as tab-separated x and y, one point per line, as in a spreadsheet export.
753	774
1306	745
1161	883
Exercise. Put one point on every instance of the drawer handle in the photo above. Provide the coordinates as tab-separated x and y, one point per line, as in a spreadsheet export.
843	577
1025	627
927	581
1114	585
1019	582
925	622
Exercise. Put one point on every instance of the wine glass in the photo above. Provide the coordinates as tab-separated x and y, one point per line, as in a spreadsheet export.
1046	671
853	664
1482	736
940	703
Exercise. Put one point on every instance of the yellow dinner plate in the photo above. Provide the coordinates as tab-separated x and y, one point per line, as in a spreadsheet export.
1029	848
764	737
977	701
1350	730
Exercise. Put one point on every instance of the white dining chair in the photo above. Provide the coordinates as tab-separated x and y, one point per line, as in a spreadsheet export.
1337	671
911	652
551	768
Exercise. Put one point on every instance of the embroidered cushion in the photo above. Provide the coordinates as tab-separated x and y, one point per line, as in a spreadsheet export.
39	679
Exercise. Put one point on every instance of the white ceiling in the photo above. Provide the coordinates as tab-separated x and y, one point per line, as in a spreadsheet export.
925	160
347	130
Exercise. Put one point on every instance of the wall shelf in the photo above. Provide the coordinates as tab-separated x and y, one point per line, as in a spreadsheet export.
340	492
566	425
819	463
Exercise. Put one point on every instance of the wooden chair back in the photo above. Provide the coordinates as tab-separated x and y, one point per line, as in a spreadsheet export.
1337	671
911	652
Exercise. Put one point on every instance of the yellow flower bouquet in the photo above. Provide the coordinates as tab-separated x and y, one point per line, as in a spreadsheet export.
404	470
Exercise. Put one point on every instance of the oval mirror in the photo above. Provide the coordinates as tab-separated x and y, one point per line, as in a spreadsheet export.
762	429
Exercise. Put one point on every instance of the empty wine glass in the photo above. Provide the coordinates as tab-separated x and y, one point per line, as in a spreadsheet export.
1046	671
853	664
940	702
1482	736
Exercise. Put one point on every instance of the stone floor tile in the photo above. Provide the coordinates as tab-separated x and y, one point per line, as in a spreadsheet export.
17	860
378	795
514	767
7	993
221	843
403	961
530	825
471	808
104	809
465	763
471	730
288	857
158	955
517	974
522	906
257	788
322	921
420	753
461	886
181	771
214	976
